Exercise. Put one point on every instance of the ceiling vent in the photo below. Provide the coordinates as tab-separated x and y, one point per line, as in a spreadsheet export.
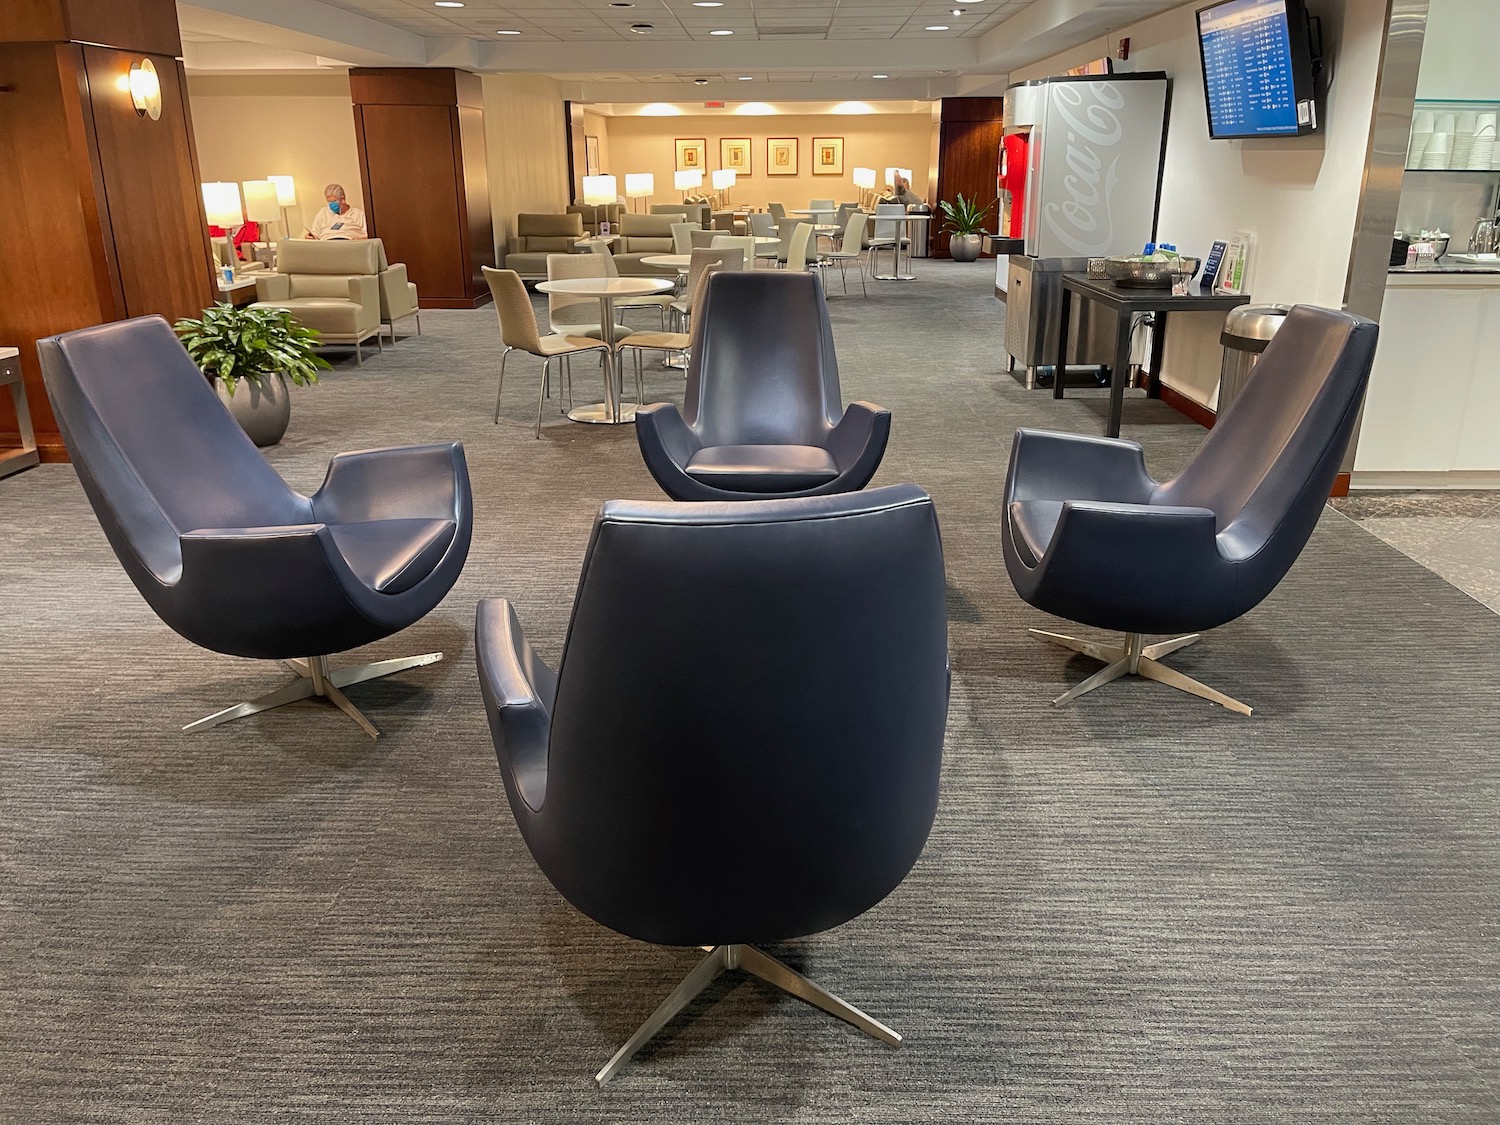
792	31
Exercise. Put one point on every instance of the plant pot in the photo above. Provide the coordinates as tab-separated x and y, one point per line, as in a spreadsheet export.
262	408
964	247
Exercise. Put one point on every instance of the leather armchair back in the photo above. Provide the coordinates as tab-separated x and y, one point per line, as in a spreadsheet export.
648	234
756	755
763	370
548	234
156	451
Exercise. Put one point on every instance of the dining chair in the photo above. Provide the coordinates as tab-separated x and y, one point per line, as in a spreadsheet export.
577	316
798	256
682	237
785	228
778	212
743	242
849	249
820	205
671	342
703	257
703	239
661	302
519	332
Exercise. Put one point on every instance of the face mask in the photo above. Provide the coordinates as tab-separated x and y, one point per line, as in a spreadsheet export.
333	206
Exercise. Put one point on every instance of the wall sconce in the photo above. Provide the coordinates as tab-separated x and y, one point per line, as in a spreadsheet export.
145	89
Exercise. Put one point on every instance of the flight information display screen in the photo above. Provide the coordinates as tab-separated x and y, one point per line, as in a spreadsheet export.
1248	70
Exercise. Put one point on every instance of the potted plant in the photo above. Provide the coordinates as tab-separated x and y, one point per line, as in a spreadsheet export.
965	219
248	355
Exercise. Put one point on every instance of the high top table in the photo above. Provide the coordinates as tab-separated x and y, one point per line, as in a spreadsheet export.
611	411
902	232
1126	302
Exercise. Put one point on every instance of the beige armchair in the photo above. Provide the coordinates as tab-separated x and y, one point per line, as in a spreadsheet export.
592	216
331	286
537	236
398	296
224	255
640	236
696	213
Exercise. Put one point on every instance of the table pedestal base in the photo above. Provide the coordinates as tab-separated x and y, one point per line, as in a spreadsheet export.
600	413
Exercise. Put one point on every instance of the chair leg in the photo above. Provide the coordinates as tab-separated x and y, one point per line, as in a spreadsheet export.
541	397
316	680
359	355
862	266
500	390
419	324
747	958
1136	658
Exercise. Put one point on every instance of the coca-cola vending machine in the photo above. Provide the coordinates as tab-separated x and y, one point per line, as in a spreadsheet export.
1092	184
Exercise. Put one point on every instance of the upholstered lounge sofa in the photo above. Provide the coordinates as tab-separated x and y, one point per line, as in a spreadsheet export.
537	236
641	236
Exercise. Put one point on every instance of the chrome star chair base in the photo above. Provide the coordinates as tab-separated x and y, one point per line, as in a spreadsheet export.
1136	658
316	679
723	958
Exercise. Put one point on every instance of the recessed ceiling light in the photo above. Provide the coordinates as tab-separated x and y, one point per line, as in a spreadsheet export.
621	4
880	76
447	3
957	11
507	31
700	81
747	78
722	31
642	28
707	3
936	27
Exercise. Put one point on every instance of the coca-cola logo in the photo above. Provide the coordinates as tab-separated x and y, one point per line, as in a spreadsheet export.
1089	110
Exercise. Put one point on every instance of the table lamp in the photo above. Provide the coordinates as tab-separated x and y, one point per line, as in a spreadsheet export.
597	192
685	182
723	180
864	179
639	185
286	196
261	204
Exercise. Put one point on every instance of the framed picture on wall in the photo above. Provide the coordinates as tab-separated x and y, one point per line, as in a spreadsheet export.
734	155
590	155
828	156
781	156
692	154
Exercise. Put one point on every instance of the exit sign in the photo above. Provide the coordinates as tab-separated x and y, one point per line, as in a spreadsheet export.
713	105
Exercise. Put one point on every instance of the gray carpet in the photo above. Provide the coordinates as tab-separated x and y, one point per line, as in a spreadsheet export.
1139	909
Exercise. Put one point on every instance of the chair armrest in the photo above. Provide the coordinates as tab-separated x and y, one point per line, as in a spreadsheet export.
273	287
1099	547
405	482
395	294
241	571
1045	465
364	289
667	444
519	689
858	442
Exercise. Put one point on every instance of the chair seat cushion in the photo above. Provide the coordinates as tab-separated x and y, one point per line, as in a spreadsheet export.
763	468
393	555
1035	521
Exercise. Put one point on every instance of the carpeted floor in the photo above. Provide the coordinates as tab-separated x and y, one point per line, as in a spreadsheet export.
1139	909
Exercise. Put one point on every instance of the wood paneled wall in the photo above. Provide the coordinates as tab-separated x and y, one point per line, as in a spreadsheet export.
969	135
422	158
99	207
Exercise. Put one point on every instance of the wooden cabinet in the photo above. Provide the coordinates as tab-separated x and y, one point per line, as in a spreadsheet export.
968	161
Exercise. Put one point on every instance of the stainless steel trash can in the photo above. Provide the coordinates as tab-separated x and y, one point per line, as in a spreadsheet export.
1247	331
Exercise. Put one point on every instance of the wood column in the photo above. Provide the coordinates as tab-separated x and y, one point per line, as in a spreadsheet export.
969	135
421	155
100	212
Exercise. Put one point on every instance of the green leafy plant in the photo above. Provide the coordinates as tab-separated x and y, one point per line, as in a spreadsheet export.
233	344
965	216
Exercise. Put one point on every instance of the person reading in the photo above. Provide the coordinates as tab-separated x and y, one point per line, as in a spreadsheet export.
339	219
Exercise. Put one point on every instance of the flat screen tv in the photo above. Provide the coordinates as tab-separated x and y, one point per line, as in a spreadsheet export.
1258	69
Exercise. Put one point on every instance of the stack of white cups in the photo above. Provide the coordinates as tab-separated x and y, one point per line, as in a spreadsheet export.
1438	153
1463	139
1421	134
1482	154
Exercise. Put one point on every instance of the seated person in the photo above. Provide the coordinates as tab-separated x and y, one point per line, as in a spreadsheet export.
901	192
338	219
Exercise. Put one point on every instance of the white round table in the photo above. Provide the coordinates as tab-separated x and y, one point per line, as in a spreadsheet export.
679	262
903	231
611	411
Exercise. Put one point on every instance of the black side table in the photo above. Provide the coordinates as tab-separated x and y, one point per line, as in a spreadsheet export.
1126	302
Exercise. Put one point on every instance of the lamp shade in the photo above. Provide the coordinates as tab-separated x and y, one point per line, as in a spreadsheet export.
723	178
687	181
599	190
864	177
286	190
638	184
221	205
890	175
260	201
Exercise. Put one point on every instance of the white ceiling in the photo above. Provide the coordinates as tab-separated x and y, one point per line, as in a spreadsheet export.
819	50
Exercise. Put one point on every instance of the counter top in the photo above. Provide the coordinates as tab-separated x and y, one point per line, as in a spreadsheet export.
1448	267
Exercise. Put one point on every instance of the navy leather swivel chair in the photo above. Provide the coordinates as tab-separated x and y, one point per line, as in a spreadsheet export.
223	550
762	414
742	741
1090	536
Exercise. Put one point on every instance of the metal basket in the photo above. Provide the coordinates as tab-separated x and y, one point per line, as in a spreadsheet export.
1096	269
1130	274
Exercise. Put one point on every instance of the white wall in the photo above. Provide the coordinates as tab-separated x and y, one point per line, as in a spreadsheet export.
247	128
1461	54
1297	196
526	145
